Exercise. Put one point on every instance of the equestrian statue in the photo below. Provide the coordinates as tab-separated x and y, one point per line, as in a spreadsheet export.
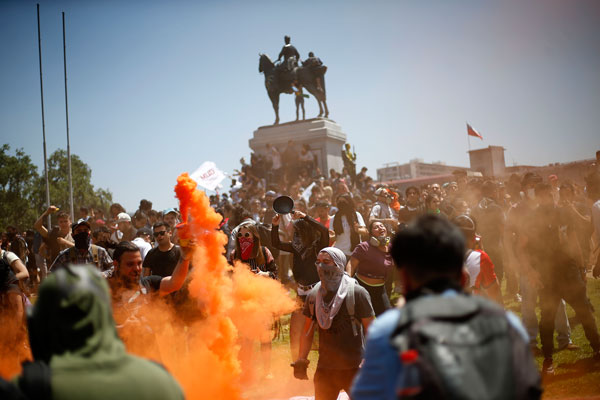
289	77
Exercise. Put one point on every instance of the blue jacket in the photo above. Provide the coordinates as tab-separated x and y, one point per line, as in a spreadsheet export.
381	369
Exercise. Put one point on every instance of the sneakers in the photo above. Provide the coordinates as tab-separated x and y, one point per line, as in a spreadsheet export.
548	367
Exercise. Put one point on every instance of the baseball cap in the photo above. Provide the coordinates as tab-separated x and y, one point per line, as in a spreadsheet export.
123	217
144	231
170	210
270	193
81	222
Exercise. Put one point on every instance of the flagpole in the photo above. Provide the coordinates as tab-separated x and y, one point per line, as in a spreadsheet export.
468	137
43	117
67	119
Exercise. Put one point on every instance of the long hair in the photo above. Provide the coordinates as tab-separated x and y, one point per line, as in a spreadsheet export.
310	237
345	206
257	252
346	209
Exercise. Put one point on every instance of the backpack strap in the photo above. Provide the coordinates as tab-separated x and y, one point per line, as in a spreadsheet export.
311	298
350	306
73	255
35	381
95	255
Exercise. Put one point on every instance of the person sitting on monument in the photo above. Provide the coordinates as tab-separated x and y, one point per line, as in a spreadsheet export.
290	55
312	62
316	67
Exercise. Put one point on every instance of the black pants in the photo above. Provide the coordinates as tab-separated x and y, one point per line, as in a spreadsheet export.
329	382
573	291
379	297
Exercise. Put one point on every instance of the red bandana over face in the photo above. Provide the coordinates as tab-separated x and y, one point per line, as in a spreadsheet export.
246	245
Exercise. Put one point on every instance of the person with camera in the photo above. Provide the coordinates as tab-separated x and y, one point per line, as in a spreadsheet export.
309	237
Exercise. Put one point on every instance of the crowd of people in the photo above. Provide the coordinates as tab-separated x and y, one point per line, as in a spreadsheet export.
336	251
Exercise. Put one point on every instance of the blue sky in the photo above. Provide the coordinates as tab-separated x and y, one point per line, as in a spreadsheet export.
156	88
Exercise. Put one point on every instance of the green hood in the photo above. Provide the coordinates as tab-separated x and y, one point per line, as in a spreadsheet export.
71	323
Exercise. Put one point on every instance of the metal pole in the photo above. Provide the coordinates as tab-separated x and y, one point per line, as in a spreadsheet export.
43	117
468	137
67	119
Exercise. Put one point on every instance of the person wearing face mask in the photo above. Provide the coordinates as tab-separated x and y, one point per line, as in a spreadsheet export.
309	237
371	263
249	250
432	204
84	252
342	311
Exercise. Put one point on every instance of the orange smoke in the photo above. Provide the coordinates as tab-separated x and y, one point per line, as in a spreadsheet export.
234	304
13	344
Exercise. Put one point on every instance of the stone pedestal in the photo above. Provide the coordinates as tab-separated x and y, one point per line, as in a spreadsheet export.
324	137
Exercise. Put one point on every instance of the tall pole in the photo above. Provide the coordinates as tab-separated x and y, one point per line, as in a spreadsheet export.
67	118
468	137
43	117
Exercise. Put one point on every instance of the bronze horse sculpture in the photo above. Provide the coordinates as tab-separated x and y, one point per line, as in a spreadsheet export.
278	81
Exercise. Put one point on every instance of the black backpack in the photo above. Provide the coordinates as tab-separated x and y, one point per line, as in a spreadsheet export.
463	347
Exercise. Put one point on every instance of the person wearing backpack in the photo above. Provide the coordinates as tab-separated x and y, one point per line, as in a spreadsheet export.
342	310
443	344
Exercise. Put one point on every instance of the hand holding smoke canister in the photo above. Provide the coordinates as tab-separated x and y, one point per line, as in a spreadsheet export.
185	234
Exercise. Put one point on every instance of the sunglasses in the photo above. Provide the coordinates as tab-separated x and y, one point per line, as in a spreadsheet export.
243	235
156	234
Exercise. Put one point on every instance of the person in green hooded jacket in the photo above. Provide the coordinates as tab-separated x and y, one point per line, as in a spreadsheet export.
77	352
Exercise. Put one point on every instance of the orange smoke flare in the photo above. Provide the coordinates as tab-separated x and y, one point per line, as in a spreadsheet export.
233	303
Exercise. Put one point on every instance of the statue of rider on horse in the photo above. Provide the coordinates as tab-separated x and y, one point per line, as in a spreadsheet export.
288	75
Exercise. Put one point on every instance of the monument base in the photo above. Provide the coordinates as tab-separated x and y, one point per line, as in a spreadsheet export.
324	137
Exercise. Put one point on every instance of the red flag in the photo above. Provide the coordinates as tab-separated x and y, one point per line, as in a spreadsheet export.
473	132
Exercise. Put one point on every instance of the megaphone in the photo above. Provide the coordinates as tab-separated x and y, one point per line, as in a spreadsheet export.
283	205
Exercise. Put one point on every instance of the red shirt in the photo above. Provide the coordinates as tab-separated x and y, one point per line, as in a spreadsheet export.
481	270
326	224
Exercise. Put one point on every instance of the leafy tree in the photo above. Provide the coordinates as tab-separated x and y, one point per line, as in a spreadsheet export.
84	193
18	180
23	189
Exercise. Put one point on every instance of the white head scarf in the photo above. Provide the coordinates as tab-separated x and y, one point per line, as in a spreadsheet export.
326	312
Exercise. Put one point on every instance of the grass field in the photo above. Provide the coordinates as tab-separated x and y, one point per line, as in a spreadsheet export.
577	375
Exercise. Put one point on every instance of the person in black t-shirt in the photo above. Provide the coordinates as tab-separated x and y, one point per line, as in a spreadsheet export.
129	290
309	238
162	259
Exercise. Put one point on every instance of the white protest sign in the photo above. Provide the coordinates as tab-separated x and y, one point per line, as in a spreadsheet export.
208	175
